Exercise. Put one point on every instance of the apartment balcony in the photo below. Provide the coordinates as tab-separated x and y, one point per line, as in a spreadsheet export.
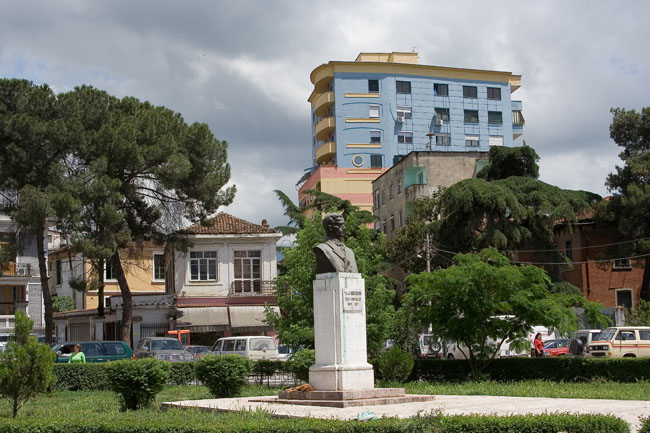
17	269
8	314
325	127
416	191
252	288
325	152
518	122
323	102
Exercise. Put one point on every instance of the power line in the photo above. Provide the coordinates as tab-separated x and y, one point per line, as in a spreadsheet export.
581	263
584	248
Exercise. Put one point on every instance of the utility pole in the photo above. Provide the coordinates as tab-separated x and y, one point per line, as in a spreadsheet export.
428	248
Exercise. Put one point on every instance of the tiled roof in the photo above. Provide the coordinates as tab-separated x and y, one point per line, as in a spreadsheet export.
226	224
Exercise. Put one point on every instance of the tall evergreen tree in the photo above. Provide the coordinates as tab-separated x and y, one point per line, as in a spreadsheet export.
629	206
138	172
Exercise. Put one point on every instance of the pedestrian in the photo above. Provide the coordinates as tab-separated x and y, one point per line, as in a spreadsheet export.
78	356
538	348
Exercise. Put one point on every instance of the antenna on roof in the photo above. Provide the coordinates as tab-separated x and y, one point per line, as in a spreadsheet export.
413	49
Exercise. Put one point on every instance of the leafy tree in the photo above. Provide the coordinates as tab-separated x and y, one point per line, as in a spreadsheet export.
629	206
482	300
510	161
136	171
32	141
639	316
62	303
295	323
25	365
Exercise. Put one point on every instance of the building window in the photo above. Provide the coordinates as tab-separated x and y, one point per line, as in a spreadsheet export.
247	271
403	86
399	185
203	265
442	114
58	273
471	116
403	111
392	223
373	111
358	160
373	86
383	196
391	191
375	136
110	273
385	226
377	200
401	221
158	267
440	89
517	118
405	137
443	140
622	264
469	92
624	298
494	93
375	161
496	140
568	250
471	141
495	118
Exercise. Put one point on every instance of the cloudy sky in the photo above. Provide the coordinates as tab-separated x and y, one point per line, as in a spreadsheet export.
243	68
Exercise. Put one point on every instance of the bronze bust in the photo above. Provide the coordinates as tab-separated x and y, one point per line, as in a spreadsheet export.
332	255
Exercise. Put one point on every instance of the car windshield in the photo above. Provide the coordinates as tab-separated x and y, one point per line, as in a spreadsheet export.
606	335
197	349
170	344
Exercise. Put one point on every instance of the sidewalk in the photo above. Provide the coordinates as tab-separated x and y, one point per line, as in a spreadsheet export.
628	410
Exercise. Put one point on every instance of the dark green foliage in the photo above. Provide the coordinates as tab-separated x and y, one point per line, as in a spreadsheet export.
137	382
510	161
181	373
645	426
395	365
639	316
25	365
80	377
62	303
299	363
561	369
223	375
184	421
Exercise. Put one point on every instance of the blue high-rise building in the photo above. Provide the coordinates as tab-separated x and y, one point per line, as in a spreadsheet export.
369	113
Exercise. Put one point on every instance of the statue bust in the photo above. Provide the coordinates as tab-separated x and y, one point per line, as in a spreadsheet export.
332	255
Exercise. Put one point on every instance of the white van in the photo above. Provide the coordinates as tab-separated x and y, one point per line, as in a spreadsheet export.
253	347
621	342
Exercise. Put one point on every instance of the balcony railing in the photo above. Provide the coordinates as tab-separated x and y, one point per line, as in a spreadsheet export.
252	288
13	269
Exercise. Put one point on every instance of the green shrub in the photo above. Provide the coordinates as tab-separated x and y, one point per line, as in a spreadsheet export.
264	369
299	363
80	377
182	373
561	369
137	382
395	365
25	365
224	375
645	425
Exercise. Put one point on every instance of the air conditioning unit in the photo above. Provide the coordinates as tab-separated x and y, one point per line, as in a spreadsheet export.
400	119
439	121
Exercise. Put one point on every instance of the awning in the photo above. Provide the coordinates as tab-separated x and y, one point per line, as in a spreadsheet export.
248	316
203	319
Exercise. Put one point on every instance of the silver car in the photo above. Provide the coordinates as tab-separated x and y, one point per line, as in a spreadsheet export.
167	349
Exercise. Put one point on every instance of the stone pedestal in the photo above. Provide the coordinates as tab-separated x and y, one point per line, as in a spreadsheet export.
340	334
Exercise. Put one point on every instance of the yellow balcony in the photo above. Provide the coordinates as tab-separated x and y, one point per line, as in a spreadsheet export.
325	152
324	128
323	102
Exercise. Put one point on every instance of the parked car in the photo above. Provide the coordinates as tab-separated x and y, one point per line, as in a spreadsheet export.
429	346
284	352
95	351
581	340
556	348
165	348
621	342
251	347
197	351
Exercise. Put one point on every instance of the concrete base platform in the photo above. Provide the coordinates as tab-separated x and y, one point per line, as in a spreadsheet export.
349	398
628	410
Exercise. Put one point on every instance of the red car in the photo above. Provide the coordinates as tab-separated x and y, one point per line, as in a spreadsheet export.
556	348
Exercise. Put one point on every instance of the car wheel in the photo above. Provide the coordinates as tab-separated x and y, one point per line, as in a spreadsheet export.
450	356
435	347
576	347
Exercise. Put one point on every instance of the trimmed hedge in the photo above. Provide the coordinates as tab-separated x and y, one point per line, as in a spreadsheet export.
182	373
561	369
80	377
197	422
